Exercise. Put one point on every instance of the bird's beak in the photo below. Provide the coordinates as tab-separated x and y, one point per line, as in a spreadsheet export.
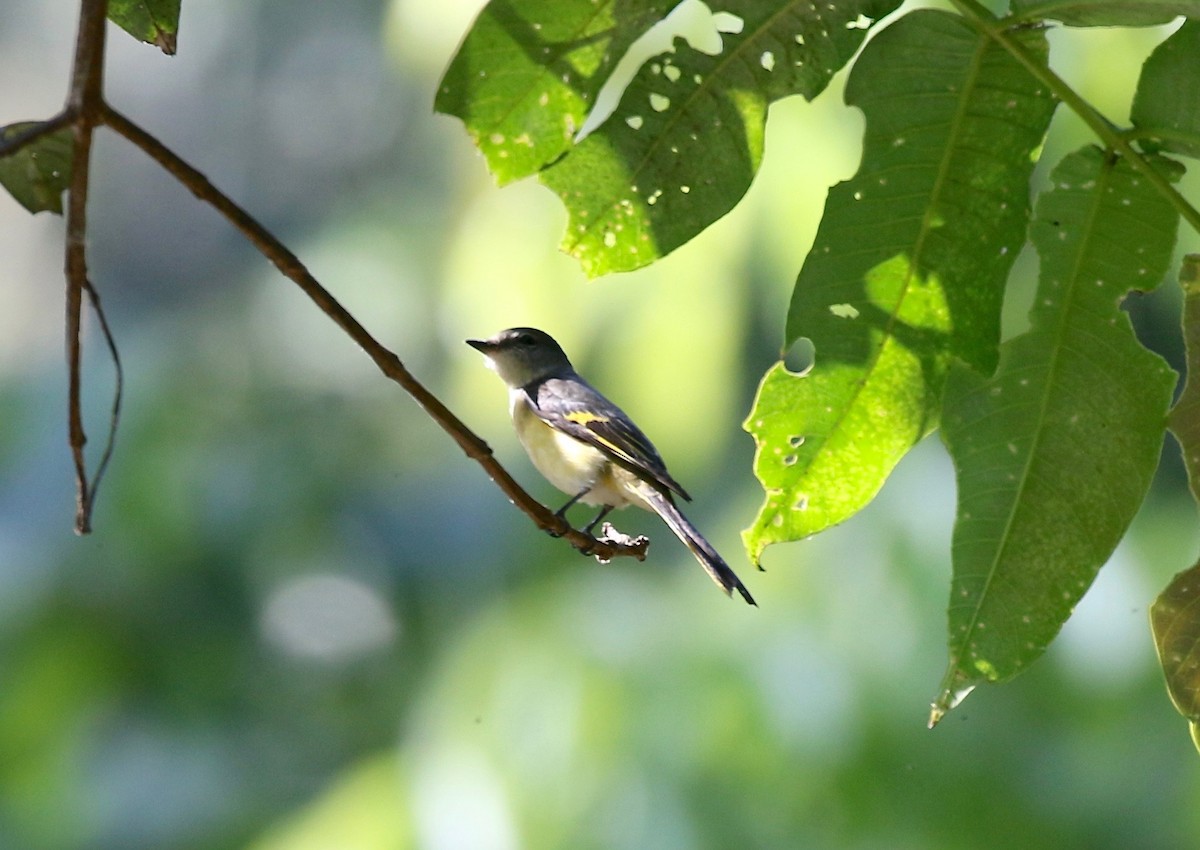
481	345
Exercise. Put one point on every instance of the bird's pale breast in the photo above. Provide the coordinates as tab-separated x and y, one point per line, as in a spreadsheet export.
567	463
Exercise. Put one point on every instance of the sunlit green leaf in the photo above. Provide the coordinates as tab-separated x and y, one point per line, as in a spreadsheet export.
907	270
686	139
1054	453
1167	102
152	21
38	173
1106	13
528	73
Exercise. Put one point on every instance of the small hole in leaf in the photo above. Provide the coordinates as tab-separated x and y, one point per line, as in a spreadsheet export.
799	358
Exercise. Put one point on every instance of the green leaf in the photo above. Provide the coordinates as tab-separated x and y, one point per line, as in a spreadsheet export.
152	21
38	173
907	270
1175	615
1175	619
686	139
1167	103
528	72
1055	452
1106	13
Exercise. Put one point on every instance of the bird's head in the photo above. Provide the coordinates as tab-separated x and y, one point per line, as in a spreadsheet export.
521	356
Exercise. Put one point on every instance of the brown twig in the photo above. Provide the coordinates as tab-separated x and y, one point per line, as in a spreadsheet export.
118	393
87	109
84	102
389	364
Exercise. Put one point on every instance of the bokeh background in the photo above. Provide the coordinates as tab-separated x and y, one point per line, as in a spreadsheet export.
305	620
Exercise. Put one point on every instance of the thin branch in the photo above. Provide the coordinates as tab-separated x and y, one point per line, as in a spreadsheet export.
85	101
76	269
87	73
118	395
87	109
389	364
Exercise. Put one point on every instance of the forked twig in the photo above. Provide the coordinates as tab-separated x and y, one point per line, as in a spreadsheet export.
87	109
389	364
84	104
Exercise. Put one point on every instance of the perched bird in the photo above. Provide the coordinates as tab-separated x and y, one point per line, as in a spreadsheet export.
585	445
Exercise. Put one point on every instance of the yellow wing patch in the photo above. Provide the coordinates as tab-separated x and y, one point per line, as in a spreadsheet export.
586	418
583	417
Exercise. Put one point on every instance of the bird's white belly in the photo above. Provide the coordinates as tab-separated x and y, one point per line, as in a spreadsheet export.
567	463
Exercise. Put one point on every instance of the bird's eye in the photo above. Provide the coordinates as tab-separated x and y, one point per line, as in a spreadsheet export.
525	339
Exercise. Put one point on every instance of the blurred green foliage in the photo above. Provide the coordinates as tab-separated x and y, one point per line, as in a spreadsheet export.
306	620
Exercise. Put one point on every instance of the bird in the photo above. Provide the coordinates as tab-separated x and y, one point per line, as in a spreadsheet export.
588	447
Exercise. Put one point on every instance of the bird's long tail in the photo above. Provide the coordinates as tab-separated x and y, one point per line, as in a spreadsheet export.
712	562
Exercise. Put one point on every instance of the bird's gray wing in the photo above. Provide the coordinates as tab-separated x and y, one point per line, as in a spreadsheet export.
575	407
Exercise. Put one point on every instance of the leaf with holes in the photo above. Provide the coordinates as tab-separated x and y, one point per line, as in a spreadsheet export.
907	270
1167	103
1055	452
686	138
1106	13
529	71
152	21
38	173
